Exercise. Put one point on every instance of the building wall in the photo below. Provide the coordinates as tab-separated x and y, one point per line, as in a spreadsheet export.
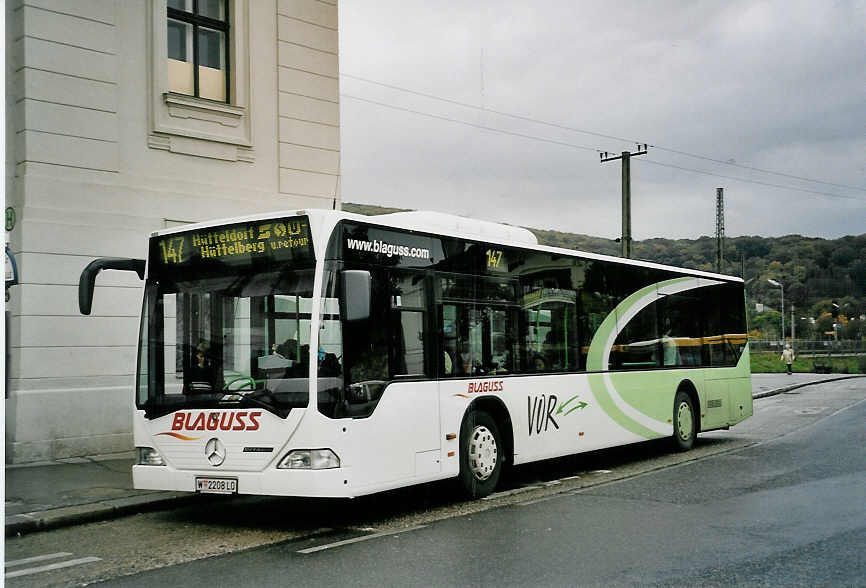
99	155
309	101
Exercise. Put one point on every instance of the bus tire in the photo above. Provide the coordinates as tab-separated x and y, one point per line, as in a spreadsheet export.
685	423
481	455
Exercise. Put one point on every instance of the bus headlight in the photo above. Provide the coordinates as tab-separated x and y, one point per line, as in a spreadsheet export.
149	456
310	459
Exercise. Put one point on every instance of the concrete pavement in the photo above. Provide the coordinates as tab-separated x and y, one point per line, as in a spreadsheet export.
79	490
764	385
72	491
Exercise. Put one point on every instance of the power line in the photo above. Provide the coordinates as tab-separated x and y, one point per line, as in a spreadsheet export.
473	125
757	169
490	110
759	182
586	148
601	135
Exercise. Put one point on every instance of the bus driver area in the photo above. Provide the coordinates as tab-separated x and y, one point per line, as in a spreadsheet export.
321	353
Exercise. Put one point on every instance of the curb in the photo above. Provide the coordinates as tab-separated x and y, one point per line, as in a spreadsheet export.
795	386
68	516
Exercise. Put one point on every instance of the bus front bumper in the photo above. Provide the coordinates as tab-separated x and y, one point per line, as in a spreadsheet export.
328	483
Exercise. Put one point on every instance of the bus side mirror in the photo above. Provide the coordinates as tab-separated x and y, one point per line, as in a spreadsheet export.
356	294
87	280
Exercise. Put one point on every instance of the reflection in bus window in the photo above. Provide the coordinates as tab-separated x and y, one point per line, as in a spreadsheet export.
637	344
681	316
478	330
549	324
408	317
724	338
366	359
409	344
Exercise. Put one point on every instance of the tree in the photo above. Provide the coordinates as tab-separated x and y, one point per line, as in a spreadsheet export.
795	293
768	323
855	330
804	329
858	275
824	324
821	307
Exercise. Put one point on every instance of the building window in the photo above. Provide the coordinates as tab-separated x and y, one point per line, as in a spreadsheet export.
200	78
198	48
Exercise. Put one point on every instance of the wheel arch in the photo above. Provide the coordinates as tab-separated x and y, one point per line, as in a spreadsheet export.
499	413
689	388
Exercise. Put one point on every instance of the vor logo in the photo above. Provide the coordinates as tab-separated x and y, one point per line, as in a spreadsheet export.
215	452
541	410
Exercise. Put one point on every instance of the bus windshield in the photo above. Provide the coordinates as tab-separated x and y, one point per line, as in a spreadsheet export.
225	325
225	342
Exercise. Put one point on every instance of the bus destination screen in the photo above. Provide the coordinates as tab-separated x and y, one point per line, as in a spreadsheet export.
258	244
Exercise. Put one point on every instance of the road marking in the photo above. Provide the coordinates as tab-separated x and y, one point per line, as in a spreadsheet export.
520	490
359	539
811	410
537	500
34	559
50	567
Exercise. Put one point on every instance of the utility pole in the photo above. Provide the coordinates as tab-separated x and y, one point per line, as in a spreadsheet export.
782	288
625	156
793	327
720	229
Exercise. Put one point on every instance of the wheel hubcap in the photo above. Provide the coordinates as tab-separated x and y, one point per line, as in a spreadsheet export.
483	453
684	421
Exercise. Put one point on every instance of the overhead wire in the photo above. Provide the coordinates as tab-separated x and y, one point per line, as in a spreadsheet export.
469	124
585	147
622	139
759	182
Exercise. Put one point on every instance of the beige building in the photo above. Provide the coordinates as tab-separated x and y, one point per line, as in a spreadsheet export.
126	116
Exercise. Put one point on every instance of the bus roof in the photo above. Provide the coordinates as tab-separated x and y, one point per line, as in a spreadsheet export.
438	223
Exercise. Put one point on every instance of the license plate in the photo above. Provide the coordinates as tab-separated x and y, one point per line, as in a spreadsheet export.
216	485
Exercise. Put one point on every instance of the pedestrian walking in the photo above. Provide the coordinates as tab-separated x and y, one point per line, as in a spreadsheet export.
788	357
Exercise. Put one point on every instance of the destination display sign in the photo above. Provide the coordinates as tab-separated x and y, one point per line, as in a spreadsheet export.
255	244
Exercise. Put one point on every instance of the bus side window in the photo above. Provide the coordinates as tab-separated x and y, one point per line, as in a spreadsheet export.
365	353
462	333
637	344
680	320
409	333
724	329
548	316
448	330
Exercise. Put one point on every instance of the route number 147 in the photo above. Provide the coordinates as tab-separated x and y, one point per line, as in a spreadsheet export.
172	250
494	258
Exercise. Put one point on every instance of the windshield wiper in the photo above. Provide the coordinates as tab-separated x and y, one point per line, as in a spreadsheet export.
238	398
260	398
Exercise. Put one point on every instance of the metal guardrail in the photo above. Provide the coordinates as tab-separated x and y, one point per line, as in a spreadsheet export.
806	347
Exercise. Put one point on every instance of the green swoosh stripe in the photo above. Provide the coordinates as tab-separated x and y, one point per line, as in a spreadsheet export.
599	348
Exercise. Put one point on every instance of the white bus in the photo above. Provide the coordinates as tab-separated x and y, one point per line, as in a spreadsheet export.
322	353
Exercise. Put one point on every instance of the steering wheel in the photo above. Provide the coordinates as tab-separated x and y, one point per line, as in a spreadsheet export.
244	381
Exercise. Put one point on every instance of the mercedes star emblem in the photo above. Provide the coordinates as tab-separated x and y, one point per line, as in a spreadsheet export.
215	452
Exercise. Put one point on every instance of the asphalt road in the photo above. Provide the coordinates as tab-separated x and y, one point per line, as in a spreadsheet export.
777	500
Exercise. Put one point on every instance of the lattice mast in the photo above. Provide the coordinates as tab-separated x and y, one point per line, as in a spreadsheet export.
720	228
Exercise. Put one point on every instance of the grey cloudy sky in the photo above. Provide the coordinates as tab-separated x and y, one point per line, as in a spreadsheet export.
775	85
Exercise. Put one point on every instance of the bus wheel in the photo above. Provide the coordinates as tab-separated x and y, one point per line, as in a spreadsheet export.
684	421
481	455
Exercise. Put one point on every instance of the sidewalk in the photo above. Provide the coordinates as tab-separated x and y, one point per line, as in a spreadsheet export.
80	490
764	385
77	490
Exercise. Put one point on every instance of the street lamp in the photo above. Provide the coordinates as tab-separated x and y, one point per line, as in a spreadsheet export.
779	285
